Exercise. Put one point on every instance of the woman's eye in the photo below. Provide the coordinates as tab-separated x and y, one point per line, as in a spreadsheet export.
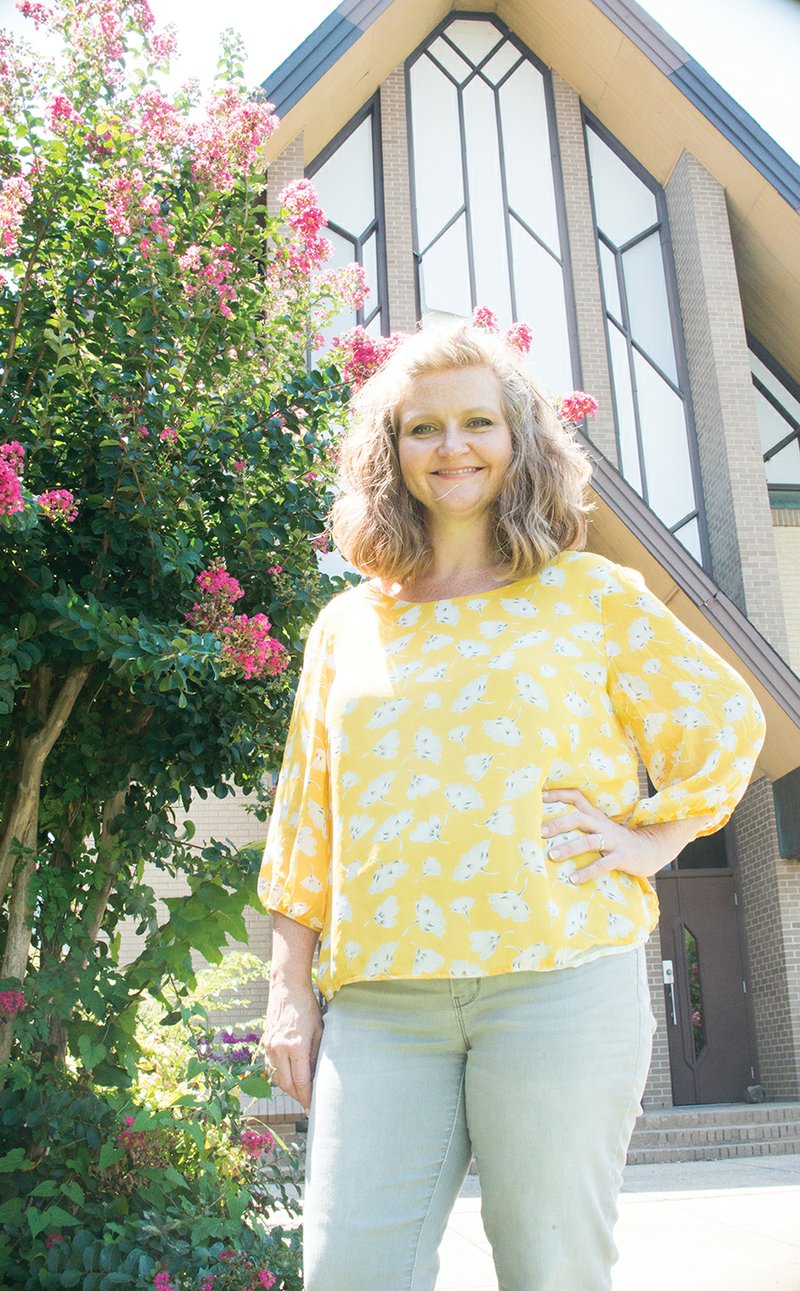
479	423
423	429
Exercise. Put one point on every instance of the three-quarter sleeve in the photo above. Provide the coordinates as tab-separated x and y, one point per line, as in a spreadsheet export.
696	724
294	872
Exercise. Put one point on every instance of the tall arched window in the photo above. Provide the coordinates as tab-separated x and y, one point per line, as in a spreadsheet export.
347	177
486	188
655	436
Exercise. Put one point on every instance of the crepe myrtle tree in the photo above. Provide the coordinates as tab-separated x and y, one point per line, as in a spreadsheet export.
163	480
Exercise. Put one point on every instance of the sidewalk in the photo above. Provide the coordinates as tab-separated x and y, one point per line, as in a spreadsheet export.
700	1226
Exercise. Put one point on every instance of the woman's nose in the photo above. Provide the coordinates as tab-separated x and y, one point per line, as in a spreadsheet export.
453	440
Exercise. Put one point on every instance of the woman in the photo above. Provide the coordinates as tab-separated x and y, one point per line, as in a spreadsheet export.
459	817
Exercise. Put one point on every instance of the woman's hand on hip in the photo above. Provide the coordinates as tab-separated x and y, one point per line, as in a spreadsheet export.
292	1034
642	851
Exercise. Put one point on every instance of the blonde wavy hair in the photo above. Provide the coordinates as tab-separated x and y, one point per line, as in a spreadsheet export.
542	507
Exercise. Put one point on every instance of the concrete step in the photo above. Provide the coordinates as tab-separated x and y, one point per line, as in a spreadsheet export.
715	1133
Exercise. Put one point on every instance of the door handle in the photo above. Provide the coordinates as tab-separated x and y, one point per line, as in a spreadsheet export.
668	972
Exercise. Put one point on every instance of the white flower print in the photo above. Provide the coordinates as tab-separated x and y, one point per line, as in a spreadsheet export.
529	639
380	961
376	789
388	746
349	778
437	673
640	634
386	914
574	732
472	649
559	769
735	707
553	577
484	943
420	785
653	724
427	745
477	764
463	968
710	765
492	628
388	712
566	868
587	631
342	908
502	821
690	690
547	670
636	688
503	661
305	841
311	883
458	734
548	737
531	691
509	905
426	961
472	862
404	670
726	736
297	909
522	781
601	761
435	641
427	831
577	704
318	817
651	665
563	646
463	797
397	647
462	905
386	876
694	666
619	926
690	718
532	856
593	672
447	612
520	606
470	694
393	826
577	918
409	617
430	916
562	608
610	888
351	949
352	871
553	909
431	866
503	731
530	958
432	700
339	742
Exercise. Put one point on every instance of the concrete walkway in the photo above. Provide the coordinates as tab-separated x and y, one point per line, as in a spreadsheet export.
698	1226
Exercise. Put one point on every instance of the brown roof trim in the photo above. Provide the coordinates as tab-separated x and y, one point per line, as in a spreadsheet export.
764	665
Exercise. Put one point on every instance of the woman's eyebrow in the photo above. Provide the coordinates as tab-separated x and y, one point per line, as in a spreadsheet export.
483	410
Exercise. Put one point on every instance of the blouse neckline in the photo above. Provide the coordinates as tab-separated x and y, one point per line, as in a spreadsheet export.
373	587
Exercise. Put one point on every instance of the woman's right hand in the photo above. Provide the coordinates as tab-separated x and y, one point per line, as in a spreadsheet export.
292	1033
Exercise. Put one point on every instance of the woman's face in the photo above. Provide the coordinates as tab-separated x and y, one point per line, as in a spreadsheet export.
454	444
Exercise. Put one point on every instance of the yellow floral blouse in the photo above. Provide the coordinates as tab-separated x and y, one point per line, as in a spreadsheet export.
407	819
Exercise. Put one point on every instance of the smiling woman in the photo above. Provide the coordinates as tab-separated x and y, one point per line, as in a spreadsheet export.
458	821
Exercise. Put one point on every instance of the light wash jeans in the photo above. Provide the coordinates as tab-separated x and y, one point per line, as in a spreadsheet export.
538	1074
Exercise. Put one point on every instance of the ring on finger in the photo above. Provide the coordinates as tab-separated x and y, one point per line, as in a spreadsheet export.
601	844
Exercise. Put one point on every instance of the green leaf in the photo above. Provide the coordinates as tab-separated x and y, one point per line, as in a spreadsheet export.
110	1154
91	1054
27	625
15	1160
12	1211
256	1086
237	1203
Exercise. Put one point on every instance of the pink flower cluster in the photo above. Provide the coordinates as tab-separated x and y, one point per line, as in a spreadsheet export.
52	1240
254	1143
208	271
572	408
59	505
11	1003
349	283
11	459
520	337
38	13
305	218
169	435
485	319
129	202
161	1281
129	1138
246	641
363	354
15	195
248	644
226	143
61	114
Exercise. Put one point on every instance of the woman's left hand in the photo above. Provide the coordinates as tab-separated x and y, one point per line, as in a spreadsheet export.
643	851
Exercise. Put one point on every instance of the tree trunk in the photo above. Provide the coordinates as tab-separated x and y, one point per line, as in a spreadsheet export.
23	820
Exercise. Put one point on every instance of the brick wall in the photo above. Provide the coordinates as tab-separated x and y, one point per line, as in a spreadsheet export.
736	500
590	319
397	204
771	915
287	166
786	531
